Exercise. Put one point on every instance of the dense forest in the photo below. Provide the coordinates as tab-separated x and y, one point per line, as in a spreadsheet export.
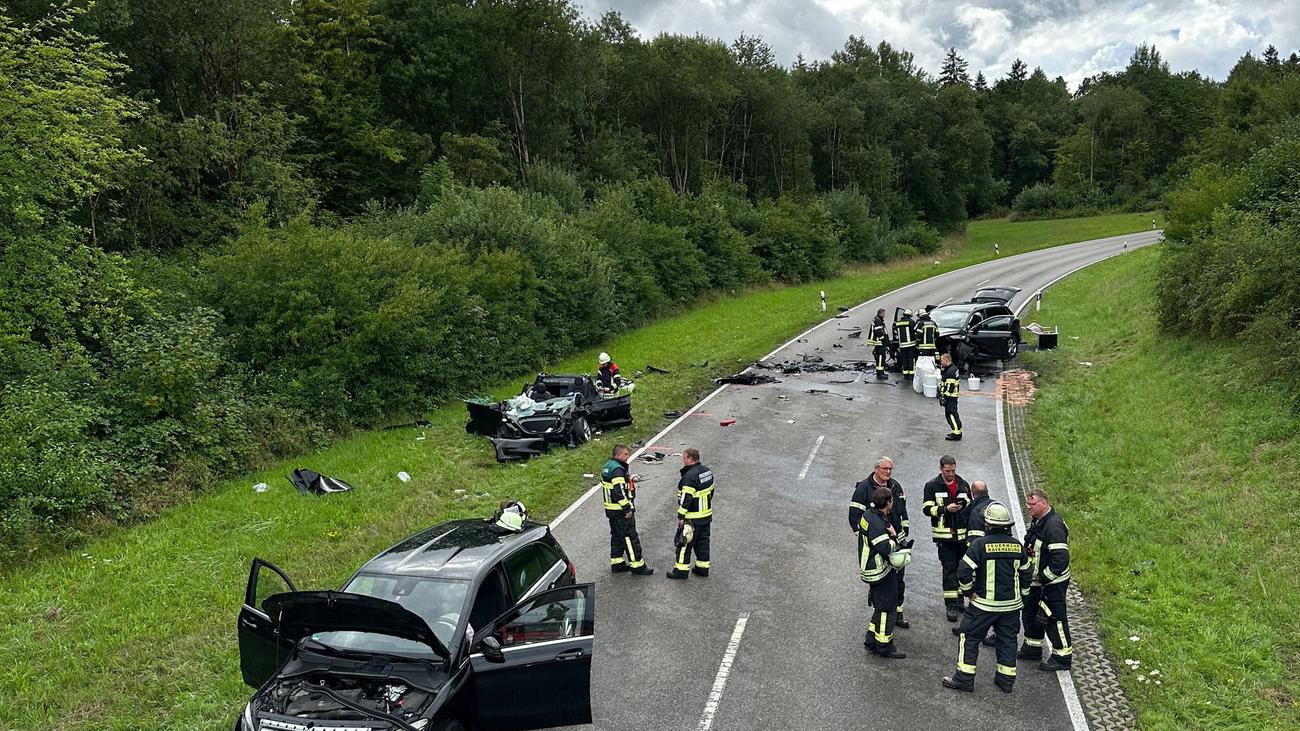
231	229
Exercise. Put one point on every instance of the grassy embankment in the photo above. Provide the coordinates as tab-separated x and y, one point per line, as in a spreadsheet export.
1175	469
136	630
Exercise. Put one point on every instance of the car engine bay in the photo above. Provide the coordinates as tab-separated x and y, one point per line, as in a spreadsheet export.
339	698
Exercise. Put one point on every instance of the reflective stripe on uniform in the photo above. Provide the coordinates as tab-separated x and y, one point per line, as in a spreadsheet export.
1009	670
962	667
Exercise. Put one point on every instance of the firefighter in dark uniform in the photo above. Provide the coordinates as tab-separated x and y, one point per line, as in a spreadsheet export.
882	477
905	335
608	379
694	516
1048	544
949	391
881	556
878	339
928	336
979	500
620	497
946	498
995	574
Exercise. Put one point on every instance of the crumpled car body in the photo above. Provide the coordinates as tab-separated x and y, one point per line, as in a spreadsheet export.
553	410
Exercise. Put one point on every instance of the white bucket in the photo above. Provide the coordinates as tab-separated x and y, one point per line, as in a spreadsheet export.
931	384
973	383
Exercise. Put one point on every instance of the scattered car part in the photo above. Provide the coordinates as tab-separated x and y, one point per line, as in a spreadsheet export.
311	481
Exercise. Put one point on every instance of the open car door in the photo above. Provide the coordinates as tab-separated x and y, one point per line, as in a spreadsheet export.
532	666
261	650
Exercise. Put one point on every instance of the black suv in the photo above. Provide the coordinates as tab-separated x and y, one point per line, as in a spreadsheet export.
465	625
977	331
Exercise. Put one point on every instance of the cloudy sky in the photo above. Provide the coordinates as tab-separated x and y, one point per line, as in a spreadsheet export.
1070	38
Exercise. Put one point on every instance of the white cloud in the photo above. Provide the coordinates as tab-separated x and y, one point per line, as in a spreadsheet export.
1070	38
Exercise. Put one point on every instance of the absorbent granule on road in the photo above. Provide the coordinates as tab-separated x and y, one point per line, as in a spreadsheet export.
1016	387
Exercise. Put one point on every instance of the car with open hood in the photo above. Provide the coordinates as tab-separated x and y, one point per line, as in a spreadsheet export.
466	625
551	411
979	331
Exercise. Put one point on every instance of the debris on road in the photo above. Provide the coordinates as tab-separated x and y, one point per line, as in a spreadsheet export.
652	458
746	379
726	422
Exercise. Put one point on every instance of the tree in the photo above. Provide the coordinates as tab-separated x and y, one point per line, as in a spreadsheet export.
954	70
981	85
1019	71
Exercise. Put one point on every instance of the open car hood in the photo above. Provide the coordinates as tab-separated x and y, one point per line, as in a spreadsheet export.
302	613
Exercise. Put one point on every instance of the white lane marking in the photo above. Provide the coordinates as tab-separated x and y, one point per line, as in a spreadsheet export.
1068	691
941	304
811	456
569	510
981	282
724	670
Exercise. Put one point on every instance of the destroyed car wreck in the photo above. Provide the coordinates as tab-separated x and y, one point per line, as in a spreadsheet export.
553	410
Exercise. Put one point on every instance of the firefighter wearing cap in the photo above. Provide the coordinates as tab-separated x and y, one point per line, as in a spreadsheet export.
928	336
946	498
881	556
620	507
878	339
1048	544
905	334
995	574
881	476
694	516
607	377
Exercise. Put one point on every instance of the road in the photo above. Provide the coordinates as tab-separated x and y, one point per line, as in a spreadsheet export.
777	629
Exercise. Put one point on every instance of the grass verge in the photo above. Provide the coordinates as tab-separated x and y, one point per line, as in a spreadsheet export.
1174	467
137	629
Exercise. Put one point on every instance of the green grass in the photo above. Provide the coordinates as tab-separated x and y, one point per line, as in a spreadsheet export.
137	629
1176	471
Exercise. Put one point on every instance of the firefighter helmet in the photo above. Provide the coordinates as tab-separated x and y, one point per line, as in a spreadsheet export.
996	515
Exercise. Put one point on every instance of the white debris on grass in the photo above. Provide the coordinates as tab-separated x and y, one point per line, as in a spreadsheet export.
404	476
261	487
1134	638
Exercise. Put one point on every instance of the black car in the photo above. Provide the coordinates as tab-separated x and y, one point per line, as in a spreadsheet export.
977	331
463	626
550	411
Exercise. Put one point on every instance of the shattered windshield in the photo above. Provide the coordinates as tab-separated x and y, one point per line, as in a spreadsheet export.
439	602
950	318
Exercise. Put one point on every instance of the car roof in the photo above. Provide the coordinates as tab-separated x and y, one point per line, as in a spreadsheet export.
456	549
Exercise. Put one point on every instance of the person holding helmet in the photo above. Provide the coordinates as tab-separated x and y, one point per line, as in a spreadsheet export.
882	476
946	497
883	555
510	516
905	335
620	496
928	336
694	516
607	377
995	574
878	339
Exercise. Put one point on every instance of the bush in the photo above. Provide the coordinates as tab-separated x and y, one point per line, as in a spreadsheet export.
863	235
912	239
796	242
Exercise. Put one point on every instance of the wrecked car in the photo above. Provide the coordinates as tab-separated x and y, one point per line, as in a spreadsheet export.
552	410
462	626
976	332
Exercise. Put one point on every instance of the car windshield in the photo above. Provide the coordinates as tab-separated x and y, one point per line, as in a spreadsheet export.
950	317
439	602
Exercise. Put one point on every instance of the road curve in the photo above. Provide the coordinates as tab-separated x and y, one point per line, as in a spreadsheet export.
773	639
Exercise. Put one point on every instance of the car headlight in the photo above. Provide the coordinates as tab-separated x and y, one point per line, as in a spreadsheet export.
246	721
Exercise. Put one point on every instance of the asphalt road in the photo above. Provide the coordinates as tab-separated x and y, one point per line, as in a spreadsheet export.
784	558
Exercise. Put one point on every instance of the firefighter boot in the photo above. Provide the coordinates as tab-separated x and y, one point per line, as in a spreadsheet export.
643	571
949	682
675	574
1029	652
699	571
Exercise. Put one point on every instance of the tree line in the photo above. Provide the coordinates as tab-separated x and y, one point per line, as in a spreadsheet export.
231	229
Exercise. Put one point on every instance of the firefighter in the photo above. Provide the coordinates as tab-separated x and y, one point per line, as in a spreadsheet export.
620	507
878	338
949	391
881	476
1047	543
995	574
928	336
905	335
881	556
946	497
608	379
979	500
694	516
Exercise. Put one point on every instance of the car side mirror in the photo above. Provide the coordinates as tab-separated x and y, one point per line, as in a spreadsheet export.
491	649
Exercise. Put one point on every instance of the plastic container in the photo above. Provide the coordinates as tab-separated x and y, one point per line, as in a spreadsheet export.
973	383
1047	340
931	385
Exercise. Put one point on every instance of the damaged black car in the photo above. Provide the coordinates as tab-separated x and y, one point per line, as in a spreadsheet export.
463	626
551	411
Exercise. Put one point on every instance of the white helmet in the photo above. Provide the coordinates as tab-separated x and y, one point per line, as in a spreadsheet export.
512	515
996	515
604	358
900	558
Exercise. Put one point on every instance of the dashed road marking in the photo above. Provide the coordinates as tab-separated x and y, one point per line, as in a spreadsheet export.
811	456
724	671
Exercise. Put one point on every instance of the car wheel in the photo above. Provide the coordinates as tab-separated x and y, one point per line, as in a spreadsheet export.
1013	347
581	430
